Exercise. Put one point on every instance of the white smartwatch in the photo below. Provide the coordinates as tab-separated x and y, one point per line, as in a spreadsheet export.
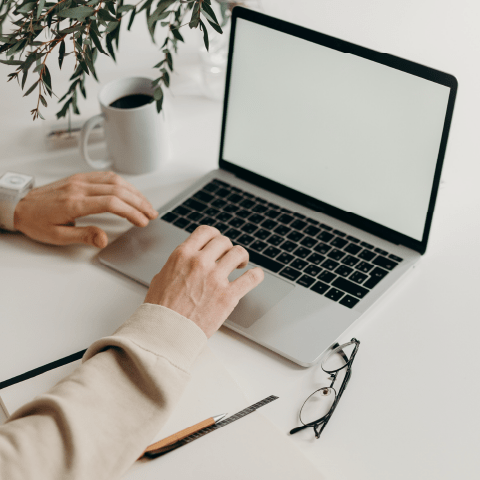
13	187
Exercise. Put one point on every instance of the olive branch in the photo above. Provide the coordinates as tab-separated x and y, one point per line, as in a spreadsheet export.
85	28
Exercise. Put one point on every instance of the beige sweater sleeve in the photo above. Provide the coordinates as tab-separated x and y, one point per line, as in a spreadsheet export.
96	422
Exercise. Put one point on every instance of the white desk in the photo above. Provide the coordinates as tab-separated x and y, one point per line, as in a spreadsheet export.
410	410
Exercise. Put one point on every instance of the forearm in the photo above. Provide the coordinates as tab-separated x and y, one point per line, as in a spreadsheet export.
97	421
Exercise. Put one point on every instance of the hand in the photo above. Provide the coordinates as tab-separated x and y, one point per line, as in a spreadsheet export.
194	281
48	213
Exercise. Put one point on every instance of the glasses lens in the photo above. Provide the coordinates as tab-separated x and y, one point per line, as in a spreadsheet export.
317	405
338	357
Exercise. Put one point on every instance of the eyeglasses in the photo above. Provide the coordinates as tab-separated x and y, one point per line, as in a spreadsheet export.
318	408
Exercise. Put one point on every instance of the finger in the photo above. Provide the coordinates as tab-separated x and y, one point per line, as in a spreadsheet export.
217	247
248	281
134	199
200	237
235	257
94	236
111	204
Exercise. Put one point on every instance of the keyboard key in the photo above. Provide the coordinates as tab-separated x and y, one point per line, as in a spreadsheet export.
285	218
322	248
312	221
195	216
313	270
299	264
364	267
259	208
350	287
379	273
181	222
350	261
234	198
385	262
298	224
269	224
212	212
334	294
358	277
204	196
263	261
271	252
192	227
327	277
236	222
282	230
353	239
246	194
261	200
325	227
302	252
256	218
223	193
379	250
211	187
366	255
218	203
375	277
235	189
329	264
258	245
222	227
320	287
295	236
338	242
232	234
393	257
344	271
262	234
243	213
288	246
249	228
339	233
336	254
324	236
275	240
316	258
349	301
352	248
230	208
245	239
181	210
208	221
308	242
169	217
366	245
247	203
311	230
285	258
290	273
272	213
195	205
299	215
224	216
305	281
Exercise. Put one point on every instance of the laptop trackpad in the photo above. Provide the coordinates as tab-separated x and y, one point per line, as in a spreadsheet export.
260	300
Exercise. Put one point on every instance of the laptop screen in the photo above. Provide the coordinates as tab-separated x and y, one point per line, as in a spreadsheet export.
350	132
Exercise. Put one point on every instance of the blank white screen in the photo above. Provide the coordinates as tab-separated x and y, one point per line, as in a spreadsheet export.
350	132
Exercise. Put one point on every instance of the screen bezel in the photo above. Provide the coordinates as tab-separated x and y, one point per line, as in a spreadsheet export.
346	47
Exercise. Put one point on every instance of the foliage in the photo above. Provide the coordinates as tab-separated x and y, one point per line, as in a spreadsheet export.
85	29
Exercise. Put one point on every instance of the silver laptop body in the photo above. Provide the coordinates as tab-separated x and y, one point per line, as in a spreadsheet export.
350	145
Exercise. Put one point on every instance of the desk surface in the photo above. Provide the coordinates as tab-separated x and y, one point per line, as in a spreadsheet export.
410	410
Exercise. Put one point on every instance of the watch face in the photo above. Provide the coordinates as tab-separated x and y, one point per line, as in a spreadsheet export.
15	181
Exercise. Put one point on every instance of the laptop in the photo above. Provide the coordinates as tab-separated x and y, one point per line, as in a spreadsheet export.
329	168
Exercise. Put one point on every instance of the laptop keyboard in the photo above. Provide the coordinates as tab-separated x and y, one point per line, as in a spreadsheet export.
301	249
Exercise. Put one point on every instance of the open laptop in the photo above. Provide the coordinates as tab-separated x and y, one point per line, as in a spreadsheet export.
329	168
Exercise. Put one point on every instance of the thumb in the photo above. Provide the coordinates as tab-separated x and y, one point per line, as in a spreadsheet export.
94	236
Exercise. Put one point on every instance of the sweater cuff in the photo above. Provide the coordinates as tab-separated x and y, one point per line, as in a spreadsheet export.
161	331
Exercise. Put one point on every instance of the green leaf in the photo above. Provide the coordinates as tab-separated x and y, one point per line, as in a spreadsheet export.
125	8
108	43
158	93
195	20
177	34
110	7
166	79
112	26
26	8
159	64
104	15
132	16
207	10
169	59
63	111
71	29
205	35
12	62
44	102
38	68
31	89
212	22
159	105
40	6
93	2
47	80
78	13
24	78
61	53
84	67
40	115
96	41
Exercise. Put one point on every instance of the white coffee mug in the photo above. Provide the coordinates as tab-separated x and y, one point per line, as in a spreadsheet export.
135	137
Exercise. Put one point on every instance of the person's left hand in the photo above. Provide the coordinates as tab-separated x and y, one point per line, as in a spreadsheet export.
48	213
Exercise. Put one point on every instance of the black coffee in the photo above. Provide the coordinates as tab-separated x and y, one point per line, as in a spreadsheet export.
132	101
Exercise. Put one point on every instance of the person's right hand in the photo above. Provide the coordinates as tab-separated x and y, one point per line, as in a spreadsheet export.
194	281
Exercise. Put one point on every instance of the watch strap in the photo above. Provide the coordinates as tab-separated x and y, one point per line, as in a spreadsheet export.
8	203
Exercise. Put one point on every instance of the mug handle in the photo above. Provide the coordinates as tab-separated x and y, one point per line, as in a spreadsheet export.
89	125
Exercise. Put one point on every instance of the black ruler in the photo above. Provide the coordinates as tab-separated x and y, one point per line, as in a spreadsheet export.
205	431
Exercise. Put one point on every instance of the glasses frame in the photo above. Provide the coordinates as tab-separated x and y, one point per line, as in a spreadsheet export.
320	424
